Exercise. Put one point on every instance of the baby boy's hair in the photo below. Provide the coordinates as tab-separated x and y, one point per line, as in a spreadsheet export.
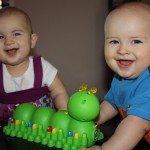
135	4
6	11
142	8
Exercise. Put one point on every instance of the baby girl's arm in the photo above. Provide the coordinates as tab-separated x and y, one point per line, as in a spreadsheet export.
59	94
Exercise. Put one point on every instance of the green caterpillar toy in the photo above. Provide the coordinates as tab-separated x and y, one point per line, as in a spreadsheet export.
69	130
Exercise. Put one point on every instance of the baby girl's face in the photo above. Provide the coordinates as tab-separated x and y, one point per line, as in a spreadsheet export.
16	39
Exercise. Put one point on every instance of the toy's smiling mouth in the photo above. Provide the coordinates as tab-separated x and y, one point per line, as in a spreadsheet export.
83	120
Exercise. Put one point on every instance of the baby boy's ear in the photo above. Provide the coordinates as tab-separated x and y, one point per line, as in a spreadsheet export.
34	38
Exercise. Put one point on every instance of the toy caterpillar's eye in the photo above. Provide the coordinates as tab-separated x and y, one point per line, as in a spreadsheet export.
83	102
83	87
92	90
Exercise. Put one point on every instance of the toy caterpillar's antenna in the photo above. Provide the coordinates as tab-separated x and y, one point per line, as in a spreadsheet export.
83	87
92	90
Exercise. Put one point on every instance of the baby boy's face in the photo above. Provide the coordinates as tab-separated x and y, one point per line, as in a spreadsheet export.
127	43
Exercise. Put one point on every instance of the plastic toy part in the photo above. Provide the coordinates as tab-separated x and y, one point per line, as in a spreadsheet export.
83	106
69	130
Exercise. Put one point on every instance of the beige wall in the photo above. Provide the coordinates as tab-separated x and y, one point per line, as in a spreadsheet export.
71	38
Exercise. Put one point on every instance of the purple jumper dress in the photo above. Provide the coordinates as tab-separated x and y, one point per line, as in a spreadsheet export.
38	95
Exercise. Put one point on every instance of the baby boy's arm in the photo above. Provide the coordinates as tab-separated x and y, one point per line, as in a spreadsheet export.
106	112
59	94
129	132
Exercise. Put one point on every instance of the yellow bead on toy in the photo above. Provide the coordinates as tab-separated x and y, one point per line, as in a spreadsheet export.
83	87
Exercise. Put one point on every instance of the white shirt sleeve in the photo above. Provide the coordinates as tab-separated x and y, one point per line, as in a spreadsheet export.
49	72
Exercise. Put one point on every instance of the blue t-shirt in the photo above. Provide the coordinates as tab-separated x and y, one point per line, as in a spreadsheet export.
133	96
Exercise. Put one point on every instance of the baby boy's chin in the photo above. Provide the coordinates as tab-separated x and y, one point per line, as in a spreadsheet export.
129	76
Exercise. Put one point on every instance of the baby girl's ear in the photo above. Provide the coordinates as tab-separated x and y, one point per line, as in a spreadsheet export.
34	38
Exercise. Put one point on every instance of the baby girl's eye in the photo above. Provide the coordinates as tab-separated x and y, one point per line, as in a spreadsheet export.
1	37
16	34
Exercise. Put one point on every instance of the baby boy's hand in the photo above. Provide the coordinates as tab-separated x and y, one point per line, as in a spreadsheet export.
92	148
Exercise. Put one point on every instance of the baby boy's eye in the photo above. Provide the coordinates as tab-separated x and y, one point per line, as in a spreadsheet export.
114	42
136	41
